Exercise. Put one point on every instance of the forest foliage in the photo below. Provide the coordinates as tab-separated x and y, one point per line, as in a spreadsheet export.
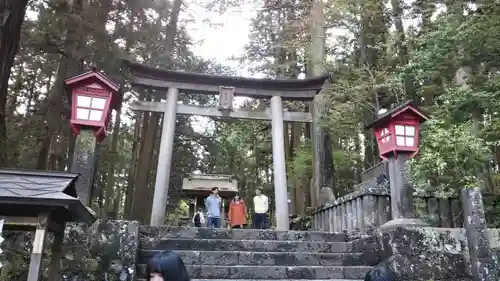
444	55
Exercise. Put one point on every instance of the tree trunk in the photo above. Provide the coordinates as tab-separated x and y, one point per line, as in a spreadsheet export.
111	197
323	169
130	190
12	16
152	128
57	108
297	194
139	211
397	14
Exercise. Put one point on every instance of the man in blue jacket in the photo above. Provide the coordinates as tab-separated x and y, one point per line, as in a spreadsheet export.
213	205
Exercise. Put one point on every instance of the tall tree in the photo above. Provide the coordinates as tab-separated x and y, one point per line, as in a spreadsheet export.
12	16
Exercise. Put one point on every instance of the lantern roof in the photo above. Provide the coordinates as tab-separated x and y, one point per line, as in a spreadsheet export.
92	75
407	106
96	76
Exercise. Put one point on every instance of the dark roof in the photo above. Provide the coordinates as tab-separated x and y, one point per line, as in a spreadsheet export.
27	193
141	70
384	117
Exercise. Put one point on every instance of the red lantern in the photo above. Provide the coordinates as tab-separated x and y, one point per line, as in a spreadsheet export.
397	130
92	98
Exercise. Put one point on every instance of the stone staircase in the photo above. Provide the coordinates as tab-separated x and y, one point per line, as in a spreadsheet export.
254	254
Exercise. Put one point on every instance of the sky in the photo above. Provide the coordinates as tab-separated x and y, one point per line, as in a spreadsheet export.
225	37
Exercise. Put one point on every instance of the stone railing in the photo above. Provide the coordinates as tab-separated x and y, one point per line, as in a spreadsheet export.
369	206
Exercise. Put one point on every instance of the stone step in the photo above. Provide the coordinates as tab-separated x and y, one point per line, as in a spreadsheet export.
242	245
141	279
239	234
261	258
270	272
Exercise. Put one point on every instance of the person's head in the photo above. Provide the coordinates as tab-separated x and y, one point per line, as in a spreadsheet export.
237	197
199	210
258	191
381	272
167	266
215	190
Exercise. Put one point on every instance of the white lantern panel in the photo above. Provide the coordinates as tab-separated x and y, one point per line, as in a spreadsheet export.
98	103
410	141
83	101
410	131
82	114
400	141
400	130
387	139
95	115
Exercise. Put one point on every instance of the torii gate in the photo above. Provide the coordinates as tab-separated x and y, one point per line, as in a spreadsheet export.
277	90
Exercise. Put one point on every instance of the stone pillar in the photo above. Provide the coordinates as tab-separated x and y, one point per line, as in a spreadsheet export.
330	219
456	211
384	209
359	212
369	211
323	170
433	210
322	220
484	262
402	212
349	214
35	270
279	164
355	224
55	259
162	181
336	221
84	159
445	212
344	216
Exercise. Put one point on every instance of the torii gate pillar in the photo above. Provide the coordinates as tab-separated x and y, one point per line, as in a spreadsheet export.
279	164
164	159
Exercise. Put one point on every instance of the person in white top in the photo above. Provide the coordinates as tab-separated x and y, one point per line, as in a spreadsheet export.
260	206
198	218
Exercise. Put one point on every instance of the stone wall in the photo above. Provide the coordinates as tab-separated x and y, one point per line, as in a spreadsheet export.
420	254
108	251
105	251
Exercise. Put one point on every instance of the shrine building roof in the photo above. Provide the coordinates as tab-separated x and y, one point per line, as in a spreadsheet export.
29	193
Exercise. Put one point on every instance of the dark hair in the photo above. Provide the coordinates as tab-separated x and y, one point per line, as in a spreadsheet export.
169	265
381	272
215	188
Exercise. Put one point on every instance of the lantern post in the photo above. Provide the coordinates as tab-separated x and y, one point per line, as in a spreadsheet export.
92	96
398	141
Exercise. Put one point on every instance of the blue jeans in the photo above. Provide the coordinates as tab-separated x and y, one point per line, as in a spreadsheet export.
213	222
259	221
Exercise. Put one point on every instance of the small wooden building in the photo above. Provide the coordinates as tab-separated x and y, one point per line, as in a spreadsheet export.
41	201
197	187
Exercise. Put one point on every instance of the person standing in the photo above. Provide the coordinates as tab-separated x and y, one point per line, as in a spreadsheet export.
261	206
212	205
237	212
198	218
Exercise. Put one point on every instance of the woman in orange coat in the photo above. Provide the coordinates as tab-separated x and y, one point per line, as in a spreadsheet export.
237	212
